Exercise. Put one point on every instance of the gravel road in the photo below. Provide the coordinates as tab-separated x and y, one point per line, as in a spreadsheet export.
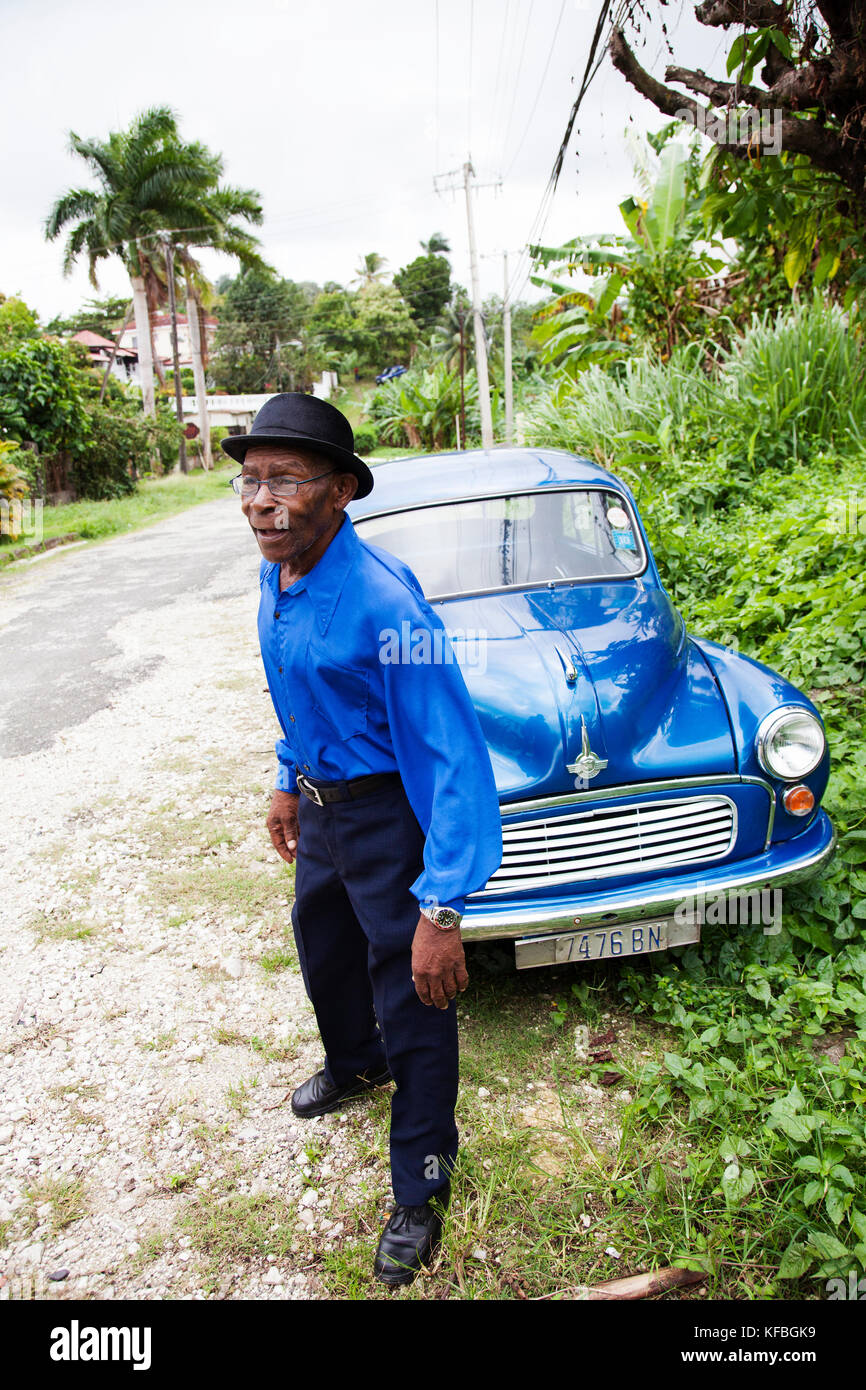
152	1018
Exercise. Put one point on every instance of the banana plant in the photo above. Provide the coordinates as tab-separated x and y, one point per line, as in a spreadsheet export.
644	285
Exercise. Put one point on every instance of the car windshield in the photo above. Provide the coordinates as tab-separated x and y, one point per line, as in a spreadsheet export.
519	541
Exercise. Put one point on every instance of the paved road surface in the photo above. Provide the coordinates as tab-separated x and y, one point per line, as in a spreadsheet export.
67	622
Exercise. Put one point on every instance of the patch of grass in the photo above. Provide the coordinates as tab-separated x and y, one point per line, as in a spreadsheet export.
82	1090
50	928
151	1247
177	1182
73	1095
210	1136
162	1042
280	958
220	887
230	1037
231	1228
40	1036
274	1052
153	500
238	1097
66	1197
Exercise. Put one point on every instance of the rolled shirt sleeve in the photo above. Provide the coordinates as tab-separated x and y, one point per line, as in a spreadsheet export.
287	780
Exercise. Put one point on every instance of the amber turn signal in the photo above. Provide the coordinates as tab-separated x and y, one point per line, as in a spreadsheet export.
798	801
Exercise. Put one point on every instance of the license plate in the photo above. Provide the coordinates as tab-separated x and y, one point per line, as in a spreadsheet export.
604	943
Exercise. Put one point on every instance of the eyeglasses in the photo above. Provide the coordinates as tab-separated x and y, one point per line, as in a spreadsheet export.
246	485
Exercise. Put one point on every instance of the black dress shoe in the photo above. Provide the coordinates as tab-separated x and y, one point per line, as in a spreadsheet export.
410	1239
317	1096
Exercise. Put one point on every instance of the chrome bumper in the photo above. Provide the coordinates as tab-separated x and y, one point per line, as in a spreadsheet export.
788	863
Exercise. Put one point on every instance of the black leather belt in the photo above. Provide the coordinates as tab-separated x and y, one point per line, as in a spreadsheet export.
322	792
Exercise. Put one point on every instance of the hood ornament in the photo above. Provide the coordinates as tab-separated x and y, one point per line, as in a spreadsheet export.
588	764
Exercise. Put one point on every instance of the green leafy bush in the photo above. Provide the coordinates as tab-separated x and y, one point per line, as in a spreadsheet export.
788	387
366	438
751	481
41	396
119	448
420	408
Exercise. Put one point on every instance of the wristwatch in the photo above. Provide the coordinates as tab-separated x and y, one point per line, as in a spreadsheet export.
445	918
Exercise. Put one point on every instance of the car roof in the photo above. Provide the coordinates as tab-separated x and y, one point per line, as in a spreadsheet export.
424	478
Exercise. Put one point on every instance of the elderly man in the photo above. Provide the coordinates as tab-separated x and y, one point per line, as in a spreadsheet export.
385	800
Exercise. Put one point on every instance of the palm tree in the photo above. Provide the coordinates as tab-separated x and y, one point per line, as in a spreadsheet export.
437	245
149	182
220	231
370	268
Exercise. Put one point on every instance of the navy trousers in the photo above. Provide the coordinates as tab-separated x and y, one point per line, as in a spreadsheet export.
354	919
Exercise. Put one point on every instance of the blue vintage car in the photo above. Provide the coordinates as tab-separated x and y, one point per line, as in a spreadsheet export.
643	773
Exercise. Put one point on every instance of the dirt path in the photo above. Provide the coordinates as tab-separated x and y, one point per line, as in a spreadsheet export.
152	1019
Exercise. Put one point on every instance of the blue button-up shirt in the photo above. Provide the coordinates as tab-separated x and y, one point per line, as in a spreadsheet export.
351	701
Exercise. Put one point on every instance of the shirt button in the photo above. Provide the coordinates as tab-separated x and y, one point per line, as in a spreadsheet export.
292	717
307	766
280	669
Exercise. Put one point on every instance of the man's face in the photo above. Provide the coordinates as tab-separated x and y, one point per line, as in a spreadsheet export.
295	530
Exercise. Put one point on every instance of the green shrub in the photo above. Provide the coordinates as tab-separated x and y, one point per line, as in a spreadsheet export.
14	483
366	438
165	433
420	408
119	448
787	388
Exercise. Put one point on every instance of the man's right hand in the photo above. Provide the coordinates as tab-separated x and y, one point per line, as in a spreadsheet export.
282	823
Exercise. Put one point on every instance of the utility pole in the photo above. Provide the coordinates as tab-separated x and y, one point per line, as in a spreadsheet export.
195	337
509	381
462	445
480	343
172	308
468	173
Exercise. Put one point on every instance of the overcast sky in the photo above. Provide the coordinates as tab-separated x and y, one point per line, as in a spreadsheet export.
339	112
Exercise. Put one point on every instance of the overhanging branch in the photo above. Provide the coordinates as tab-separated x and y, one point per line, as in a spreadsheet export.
761	14
799	135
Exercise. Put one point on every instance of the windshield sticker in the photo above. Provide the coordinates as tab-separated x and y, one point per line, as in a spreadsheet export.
623	540
617	518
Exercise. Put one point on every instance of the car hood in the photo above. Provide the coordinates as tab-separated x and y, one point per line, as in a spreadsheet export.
614	659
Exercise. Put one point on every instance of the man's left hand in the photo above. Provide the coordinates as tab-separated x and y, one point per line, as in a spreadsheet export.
438	963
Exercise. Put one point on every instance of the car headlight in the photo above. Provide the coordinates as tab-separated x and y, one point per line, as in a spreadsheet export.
790	743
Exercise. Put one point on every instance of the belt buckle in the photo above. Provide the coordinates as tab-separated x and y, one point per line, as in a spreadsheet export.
310	791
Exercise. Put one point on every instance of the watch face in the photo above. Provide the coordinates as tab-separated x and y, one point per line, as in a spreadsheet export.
446	918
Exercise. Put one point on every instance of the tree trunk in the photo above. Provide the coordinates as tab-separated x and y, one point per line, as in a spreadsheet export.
113	356
194	321
145	353
157	364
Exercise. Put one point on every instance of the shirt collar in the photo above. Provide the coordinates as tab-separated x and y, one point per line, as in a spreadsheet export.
326	579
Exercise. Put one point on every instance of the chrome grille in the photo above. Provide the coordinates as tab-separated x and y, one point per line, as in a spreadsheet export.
579	846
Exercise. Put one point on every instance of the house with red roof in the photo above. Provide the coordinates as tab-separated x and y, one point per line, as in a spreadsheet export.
125	363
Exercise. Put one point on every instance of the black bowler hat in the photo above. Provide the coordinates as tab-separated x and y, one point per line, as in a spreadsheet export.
294	418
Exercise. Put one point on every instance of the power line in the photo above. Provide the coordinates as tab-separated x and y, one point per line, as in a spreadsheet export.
517	81
593	64
469	85
540	89
497	86
436	9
